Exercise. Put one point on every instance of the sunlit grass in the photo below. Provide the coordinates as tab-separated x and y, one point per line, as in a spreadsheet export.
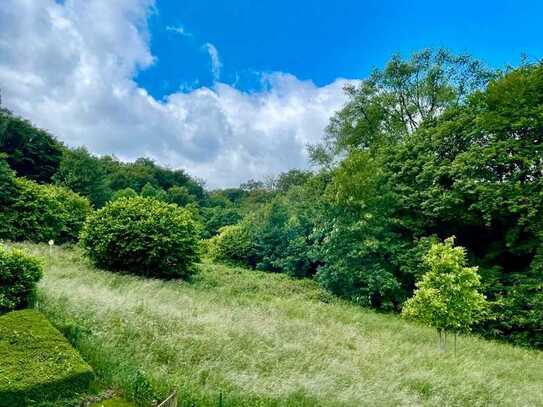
264	339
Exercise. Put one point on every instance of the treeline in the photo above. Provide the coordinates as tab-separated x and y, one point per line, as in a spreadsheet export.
38	156
427	148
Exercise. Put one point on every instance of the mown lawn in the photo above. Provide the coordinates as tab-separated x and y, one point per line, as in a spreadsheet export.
264	339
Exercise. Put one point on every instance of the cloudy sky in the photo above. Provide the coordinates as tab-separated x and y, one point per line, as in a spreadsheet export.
227	90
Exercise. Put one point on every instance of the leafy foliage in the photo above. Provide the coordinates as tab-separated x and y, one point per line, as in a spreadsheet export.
84	174
8	185
448	296
427	148
31	152
217	217
19	273
142	236
180	196
474	172
124	193
143	171
149	191
234	244
40	213
392	103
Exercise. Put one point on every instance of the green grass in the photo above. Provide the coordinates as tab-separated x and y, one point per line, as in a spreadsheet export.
37	364
264	339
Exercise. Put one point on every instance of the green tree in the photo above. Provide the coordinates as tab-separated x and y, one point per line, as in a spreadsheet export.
149	191
215	218
291	178
129	175
8	185
448	297
124	193
31	152
180	196
84	174
393	102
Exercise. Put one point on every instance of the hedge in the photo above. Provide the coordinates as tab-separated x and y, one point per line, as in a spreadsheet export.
37	363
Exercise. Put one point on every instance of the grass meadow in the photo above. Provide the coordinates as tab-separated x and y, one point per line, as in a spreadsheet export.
260	339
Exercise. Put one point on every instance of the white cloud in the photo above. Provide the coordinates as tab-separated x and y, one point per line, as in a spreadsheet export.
69	68
179	30
216	64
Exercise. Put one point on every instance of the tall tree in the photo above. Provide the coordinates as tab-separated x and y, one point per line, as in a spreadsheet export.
30	152
395	101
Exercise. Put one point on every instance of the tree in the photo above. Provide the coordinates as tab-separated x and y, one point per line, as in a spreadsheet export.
397	100
129	175
179	196
447	298
85	174
149	191
216	217
30	152
8	185
124	193
291	178
144	171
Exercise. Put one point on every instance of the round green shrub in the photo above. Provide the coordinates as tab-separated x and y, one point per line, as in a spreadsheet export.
142	236
19	273
233	244
40	213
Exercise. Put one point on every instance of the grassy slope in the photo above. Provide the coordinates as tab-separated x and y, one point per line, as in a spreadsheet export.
264	339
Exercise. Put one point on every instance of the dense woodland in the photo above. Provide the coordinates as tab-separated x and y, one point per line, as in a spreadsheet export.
427	148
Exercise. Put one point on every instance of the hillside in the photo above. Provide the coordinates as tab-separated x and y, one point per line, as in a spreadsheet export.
264	339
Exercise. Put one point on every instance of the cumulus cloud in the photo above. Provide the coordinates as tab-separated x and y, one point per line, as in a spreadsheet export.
69	68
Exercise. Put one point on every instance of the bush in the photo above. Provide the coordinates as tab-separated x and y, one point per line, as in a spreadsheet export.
142	236
39	366
19	274
233	244
42	212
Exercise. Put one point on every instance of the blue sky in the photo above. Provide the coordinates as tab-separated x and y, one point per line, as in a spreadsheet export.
323	40
227	90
